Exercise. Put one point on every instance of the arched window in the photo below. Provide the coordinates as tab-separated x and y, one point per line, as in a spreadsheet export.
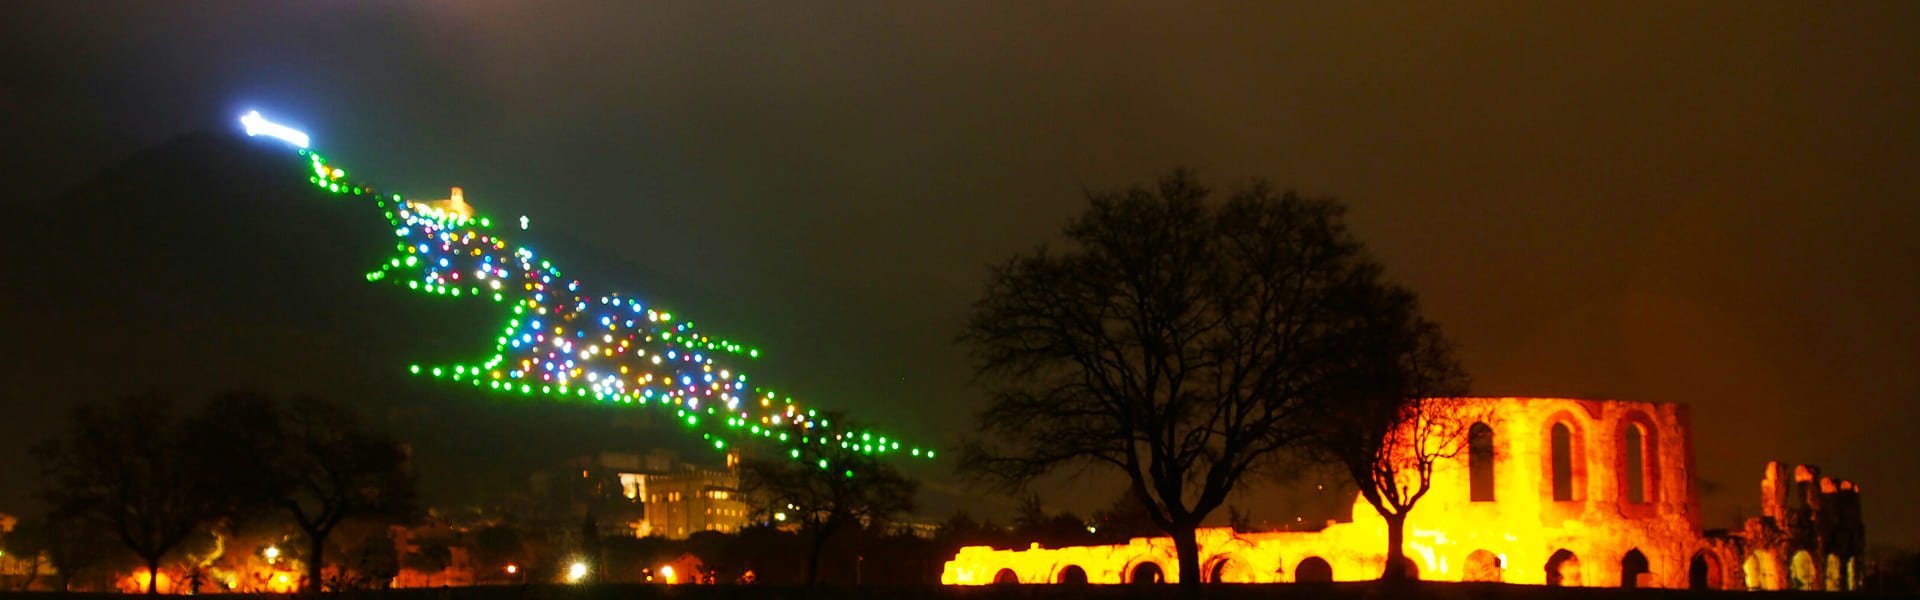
1633	569
1226	569
1562	462
1563	569
1703	572
1480	461
1073	574
1635	471
1482	566
1006	576
1803	572
1833	574
1763	571
1147	572
1408	569
1313	570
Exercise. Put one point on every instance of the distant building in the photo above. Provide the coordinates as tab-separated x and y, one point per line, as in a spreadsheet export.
454	205
689	498
648	494
922	530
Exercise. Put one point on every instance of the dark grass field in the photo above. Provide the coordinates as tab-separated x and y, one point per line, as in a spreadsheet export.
1341	591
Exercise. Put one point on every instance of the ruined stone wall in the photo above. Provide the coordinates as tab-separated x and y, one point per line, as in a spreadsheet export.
1809	535
1602	528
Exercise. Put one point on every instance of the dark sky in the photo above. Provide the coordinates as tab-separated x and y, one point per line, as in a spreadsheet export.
1680	202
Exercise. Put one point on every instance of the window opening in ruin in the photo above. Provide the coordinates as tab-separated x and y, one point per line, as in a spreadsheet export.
1313	570
1636	469
1227	570
1802	571
1072	574
1703	572
1634	570
1562	462
1563	569
1147	572
1409	570
1480	462
1832	573
1006	576
1483	566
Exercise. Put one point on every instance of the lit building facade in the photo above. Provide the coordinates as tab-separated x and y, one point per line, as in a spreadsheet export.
643	494
689	499
1548	492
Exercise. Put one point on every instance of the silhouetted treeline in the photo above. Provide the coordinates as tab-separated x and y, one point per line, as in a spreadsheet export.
140	472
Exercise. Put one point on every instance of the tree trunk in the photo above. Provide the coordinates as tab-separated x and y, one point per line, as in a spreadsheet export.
1396	568
813	558
153	574
317	545
1186	549
33	573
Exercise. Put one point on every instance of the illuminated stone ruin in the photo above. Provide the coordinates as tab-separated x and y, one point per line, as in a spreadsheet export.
1550	492
1809	535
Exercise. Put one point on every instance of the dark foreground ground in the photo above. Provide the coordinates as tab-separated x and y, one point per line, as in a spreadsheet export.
1337	591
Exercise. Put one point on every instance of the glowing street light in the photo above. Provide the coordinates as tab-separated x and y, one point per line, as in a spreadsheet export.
272	553
512	568
257	125
576	572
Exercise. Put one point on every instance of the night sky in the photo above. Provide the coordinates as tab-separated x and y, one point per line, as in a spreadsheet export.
1703	203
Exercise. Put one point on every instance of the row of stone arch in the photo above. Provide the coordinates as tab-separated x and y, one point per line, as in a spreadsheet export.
1704	570
1221	569
1803	572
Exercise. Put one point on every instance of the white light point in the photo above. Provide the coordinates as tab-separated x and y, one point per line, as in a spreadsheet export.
257	125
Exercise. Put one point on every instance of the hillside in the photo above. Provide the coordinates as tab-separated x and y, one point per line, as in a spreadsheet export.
207	264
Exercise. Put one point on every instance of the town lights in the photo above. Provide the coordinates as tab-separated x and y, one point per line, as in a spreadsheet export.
576	572
666	572
272	553
512	568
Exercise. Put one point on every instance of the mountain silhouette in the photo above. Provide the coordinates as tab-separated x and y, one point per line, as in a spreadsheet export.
209	264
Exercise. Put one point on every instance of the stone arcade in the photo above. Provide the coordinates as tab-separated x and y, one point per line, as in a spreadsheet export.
1550	491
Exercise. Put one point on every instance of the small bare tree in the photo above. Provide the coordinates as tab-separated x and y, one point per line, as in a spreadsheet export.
1395	419
825	485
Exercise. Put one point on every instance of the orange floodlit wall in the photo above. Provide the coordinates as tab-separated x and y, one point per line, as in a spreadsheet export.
1570	492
